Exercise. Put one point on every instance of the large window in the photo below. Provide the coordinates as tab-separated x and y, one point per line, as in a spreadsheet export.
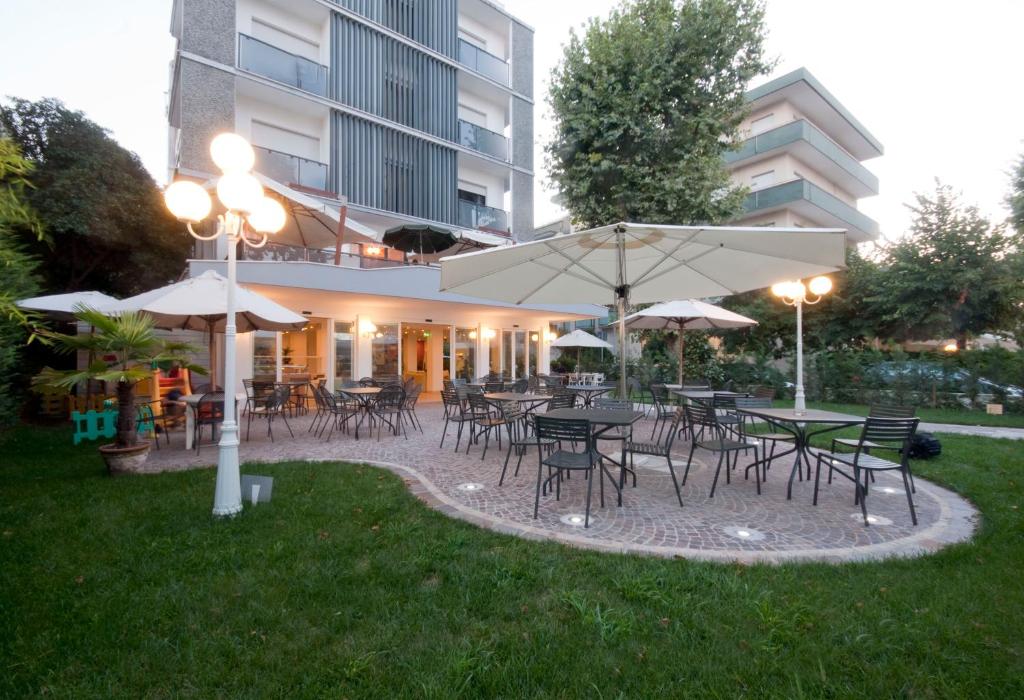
343	342
506	352
495	353
385	351
520	348
465	353
264	356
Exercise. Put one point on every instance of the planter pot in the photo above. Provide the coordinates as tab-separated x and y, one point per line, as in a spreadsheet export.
125	460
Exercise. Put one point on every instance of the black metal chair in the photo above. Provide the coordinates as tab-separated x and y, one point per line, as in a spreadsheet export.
275	405
209	410
769	439
898	433
337	413
388	407
486	419
492	387
558	461
147	417
412	395
321	409
621	434
518	426
367	381
454	412
705	417
562	398
663	411
661	448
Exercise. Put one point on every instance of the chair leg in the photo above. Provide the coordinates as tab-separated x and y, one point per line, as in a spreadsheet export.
757	473
675	482
721	456
863	495
817	479
905	472
444	432
689	461
285	419
590	487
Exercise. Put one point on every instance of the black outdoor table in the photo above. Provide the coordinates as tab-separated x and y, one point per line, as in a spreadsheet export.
531	399
589	391
703	394
799	426
365	396
602	420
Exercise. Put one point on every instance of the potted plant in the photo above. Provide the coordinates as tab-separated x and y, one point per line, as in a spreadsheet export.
121	348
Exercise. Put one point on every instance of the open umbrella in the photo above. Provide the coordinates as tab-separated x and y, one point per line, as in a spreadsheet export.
200	303
645	263
419	238
579	339
685	314
62	306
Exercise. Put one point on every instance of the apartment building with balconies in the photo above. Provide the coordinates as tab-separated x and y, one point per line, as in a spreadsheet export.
406	110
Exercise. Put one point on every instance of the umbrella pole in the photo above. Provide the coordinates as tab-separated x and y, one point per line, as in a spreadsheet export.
682	343
621	304
213	358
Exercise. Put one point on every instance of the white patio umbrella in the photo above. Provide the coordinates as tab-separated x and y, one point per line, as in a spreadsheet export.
579	339
644	263
685	314
62	306
200	303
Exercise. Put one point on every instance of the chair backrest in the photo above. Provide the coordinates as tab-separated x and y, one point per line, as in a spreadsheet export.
478	403
752	402
613	404
879	410
562	400
448	384
563	429
413	395
210	406
889	430
669	436
450	399
520	386
511	411
764	392
350	384
702	414
724	401
459	381
391	396
659	392
494	387
367	381
278	397
533	384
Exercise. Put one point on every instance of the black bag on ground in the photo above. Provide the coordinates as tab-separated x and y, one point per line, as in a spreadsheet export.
925	446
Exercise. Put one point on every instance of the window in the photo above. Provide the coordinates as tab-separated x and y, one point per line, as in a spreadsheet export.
385	351
762	124
762	180
465	353
473	116
288	141
535	351
495	353
507	338
264	356
343	337
520	360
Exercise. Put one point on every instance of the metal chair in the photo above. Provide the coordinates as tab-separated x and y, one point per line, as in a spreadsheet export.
367	381
661	448
454	412
896	432
705	416
621	434
754	402
663	411
337	412
518	431
520	386
562	399
878	410
388	407
565	431
485	420
209	410
492	387
275	405
412	395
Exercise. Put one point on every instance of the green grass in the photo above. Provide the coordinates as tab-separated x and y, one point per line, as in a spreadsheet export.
346	586
928	415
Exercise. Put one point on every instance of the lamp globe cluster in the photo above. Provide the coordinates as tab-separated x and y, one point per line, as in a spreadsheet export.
238	190
797	291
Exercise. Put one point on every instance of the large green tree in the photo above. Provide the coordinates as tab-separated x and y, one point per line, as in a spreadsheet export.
1015	199
107	226
645	104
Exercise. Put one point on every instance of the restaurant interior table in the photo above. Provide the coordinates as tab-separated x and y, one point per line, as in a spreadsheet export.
800	426
602	420
589	391
365	396
191	402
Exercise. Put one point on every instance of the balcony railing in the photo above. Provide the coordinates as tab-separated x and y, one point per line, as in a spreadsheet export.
794	190
277	64
478	216
289	169
487	64
282	252
483	140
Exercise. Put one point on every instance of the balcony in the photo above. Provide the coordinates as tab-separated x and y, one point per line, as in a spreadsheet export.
486	64
282	252
811	145
478	216
277	64
816	204
484	140
291	170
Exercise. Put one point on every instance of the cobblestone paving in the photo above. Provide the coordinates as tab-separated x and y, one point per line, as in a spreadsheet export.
735	525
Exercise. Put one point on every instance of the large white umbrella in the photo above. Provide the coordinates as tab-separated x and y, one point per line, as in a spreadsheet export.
200	303
62	306
579	339
685	314
644	263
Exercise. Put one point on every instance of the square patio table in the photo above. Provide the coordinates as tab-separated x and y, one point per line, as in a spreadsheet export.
364	395
799	426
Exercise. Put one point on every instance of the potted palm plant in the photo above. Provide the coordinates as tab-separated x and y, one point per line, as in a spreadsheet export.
121	349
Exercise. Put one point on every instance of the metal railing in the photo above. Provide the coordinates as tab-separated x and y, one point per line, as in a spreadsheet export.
794	190
277	64
282	252
291	169
484	140
482	62
478	216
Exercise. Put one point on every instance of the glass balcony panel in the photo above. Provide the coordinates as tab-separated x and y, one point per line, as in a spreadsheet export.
482	62
483	140
289	169
478	216
277	64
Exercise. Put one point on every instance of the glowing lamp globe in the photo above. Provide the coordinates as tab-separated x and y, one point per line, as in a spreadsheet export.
232	153
268	217
820	285
187	201
240	192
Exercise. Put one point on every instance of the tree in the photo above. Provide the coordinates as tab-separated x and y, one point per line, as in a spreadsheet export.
953	275
646	103
1015	199
108	228
18	272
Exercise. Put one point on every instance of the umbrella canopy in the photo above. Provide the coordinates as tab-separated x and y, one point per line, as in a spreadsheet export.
200	303
419	238
62	306
580	339
685	314
645	263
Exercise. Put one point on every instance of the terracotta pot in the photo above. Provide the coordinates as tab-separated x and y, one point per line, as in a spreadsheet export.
125	460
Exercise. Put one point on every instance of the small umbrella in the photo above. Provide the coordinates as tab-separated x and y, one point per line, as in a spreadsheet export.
200	303
62	306
685	314
579	339
419	238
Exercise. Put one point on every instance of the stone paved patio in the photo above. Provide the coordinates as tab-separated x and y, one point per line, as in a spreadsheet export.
735	525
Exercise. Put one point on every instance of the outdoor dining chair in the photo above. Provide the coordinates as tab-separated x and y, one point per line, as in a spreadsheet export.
621	434
337	413
494	387
256	392
770	440
209	410
898	433
565	431
705	417
661	448
275	406
562	398
486	419
878	410
663	410
518	427
520	386
454	412
148	420
388	407
412	395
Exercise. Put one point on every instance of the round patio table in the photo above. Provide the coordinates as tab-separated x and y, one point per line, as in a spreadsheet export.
365	396
800	425
589	391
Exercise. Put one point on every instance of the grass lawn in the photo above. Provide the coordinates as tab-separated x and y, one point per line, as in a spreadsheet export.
346	586
926	414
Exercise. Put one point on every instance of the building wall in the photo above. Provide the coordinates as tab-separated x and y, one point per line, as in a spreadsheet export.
435	29
311	126
254	16
787	167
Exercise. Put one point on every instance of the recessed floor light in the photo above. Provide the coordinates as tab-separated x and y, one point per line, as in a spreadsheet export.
574	519
872	519
888	489
748	534
470	486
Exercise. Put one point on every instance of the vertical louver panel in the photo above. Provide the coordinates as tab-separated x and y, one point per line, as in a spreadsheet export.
433	23
383	168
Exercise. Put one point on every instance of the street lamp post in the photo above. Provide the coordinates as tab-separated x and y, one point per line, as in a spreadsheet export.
796	294
248	217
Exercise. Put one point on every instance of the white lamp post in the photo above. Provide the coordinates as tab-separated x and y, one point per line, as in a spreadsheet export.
249	216
795	294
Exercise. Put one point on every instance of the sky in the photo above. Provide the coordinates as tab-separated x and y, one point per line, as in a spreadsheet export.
935	82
